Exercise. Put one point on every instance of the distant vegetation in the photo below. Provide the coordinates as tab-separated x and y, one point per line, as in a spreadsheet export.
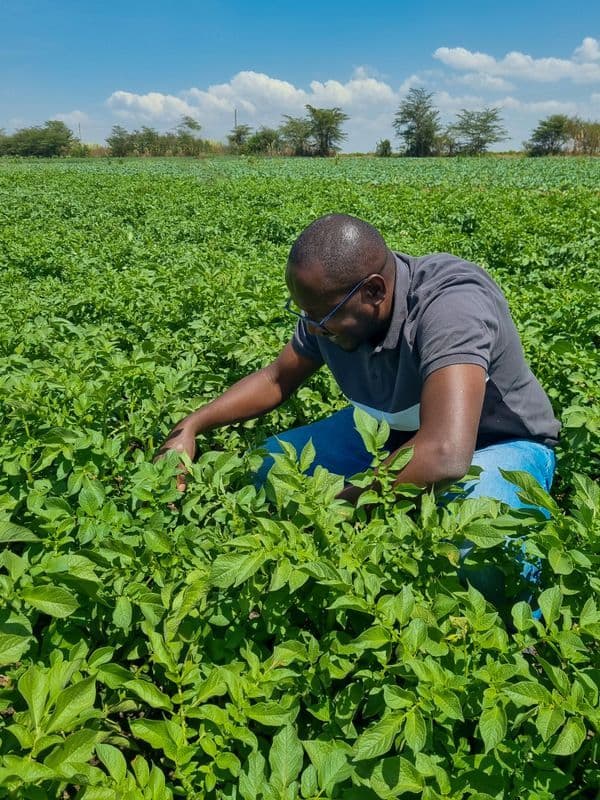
320	133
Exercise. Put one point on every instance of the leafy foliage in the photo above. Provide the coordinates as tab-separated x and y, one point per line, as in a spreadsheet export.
417	122
276	643
53	138
474	131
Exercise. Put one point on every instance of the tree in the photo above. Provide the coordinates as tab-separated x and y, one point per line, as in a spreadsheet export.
417	123
119	142
585	135
53	138
550	136
383	148
238	136
265	141
326	128
296	133
188	142
475	131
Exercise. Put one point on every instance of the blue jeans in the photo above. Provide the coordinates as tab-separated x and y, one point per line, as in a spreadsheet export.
340	449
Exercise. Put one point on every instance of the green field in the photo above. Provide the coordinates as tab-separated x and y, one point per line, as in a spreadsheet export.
236	644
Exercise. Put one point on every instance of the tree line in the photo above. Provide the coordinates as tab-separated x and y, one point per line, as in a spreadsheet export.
319	132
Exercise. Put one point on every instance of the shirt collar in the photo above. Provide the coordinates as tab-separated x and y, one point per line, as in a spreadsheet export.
399	307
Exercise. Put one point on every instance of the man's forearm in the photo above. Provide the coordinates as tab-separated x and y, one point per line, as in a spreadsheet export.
431	464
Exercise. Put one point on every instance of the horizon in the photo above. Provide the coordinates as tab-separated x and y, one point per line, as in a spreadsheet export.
231	60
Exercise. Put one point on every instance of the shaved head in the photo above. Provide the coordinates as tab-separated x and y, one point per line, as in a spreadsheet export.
346	249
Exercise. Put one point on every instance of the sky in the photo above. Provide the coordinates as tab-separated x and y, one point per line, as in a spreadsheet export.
95	65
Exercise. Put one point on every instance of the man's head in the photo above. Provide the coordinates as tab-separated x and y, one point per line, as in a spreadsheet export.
332	256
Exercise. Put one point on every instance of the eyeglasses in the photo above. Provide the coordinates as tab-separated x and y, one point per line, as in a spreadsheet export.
321	325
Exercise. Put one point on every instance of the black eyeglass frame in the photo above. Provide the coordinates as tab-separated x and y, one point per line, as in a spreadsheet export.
327	317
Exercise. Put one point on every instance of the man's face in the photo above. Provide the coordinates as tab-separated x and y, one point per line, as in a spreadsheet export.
361	318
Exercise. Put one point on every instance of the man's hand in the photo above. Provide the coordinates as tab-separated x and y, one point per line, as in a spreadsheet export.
254	395
182	439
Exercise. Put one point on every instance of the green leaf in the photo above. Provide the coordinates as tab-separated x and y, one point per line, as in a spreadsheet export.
353	603
34	686
449	703
228	762
492	726
548	721
415	635
91	496
366	425
157	733
570	739
232	569
51	600
372	639
589	613
149	693
394	776
9	532
415	730
378	739
307	456
285	758
213	686
141	770
309	785
113	760
550	601
405	602
483	534
396	698
330	759
400	459
272	714
476	600
531	491
73	702
12	647
123	613
27	770
252	780
560	561
521	614
528	693
76	748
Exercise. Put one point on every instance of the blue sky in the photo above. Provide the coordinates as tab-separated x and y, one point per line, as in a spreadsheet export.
147	63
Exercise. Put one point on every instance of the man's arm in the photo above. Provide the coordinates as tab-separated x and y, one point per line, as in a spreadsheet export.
254	395
443	447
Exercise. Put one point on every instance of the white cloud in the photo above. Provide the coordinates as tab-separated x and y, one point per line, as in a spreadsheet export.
479	80
260	99
73	118
538	106
149	106
581	68
449	104
371	101
412	82
588	50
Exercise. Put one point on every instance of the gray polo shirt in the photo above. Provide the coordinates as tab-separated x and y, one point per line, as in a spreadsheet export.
445	311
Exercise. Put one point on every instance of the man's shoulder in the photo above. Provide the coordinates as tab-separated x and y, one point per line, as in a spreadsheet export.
433	271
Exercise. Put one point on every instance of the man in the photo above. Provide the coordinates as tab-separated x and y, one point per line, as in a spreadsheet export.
426	343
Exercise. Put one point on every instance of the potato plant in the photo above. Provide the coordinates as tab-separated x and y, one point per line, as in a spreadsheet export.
274	643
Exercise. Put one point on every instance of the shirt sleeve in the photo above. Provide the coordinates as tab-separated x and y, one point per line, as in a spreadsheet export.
458	326
306	344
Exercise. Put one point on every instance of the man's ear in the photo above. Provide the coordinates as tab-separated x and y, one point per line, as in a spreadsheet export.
375	290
